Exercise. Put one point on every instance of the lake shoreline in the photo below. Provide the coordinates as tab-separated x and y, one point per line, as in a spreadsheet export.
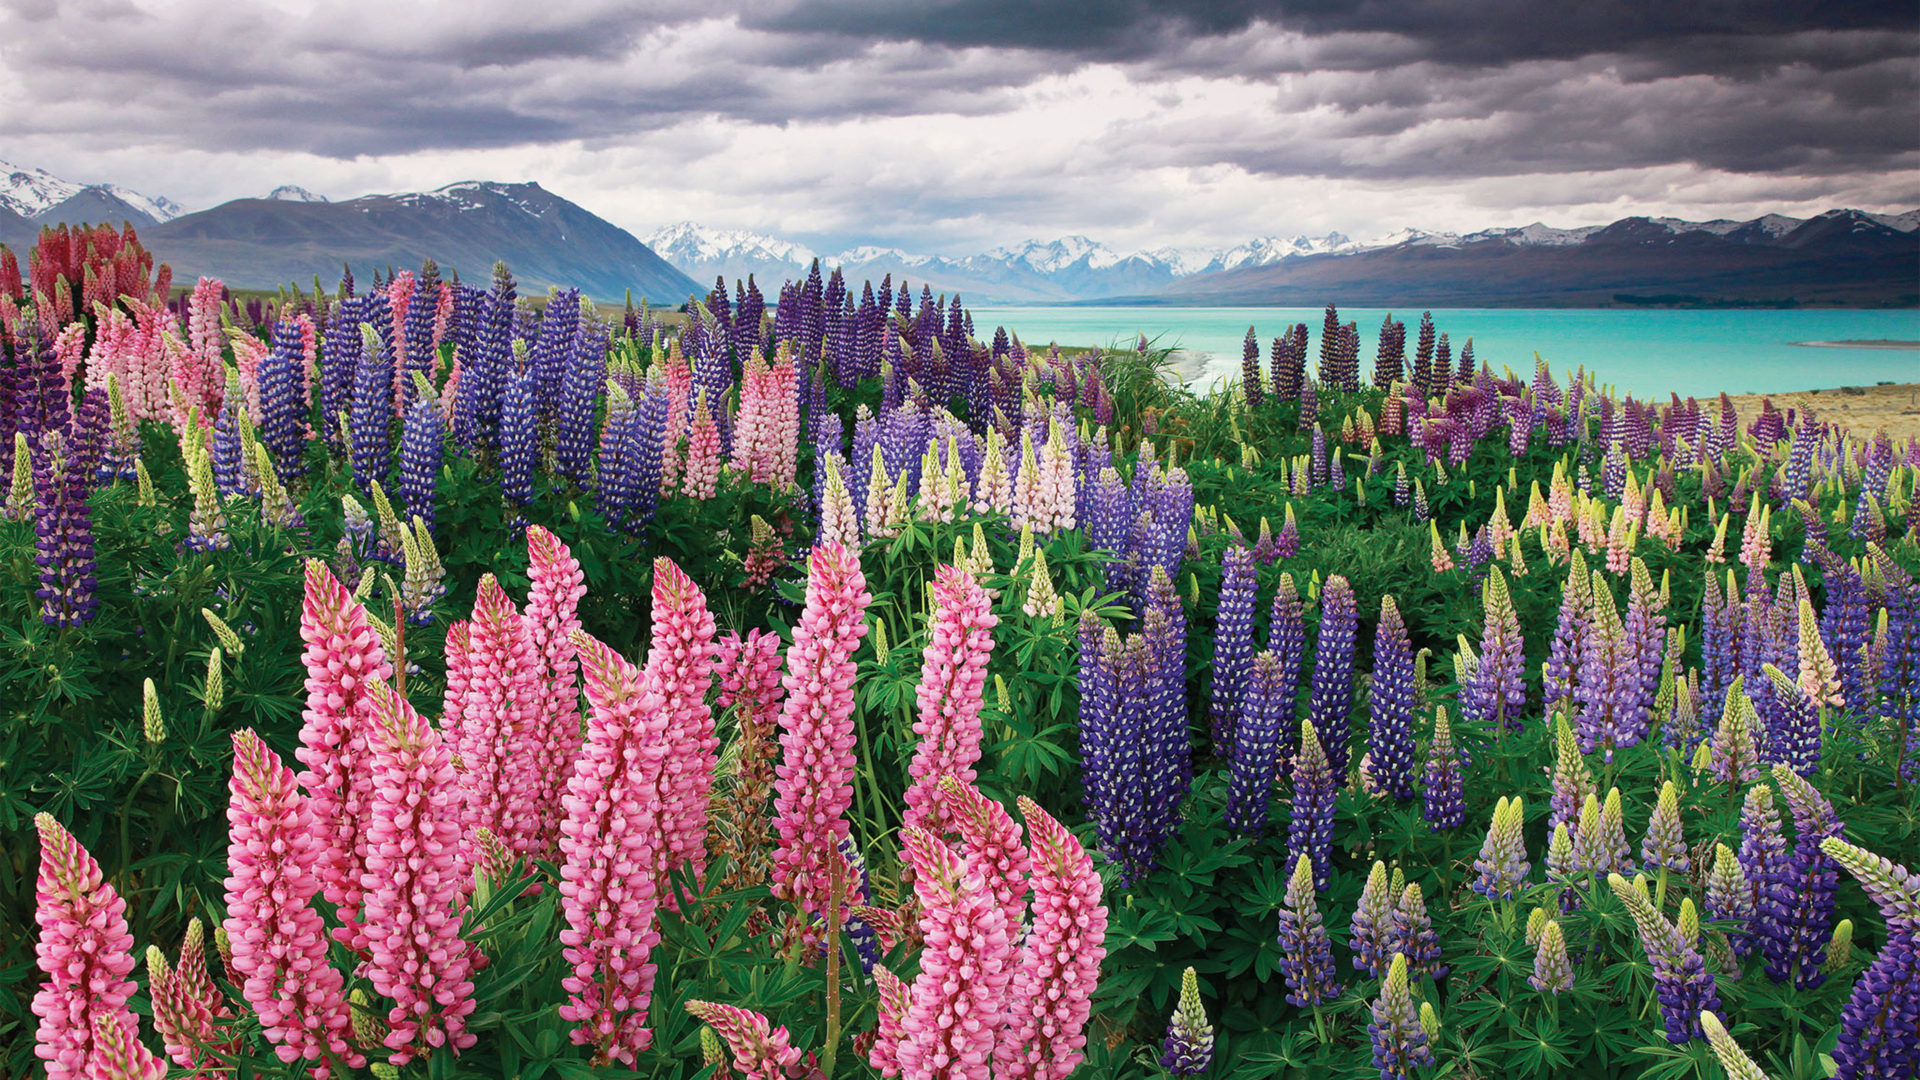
1873	343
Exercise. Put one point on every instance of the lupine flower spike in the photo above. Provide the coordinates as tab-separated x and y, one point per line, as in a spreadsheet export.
1188	1048
85	950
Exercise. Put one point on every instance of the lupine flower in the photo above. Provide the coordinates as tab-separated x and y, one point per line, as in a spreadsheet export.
760	1051
1399	1042
1287	639
1735	760
952	681
1763	860
553	597
118	1053
518	438
815	778
1332	698
1059	960
1444	803
420	456
1310	831
680	667
1233	646
1569	647
1552	973
1502	866
1394	702
1308	960
1795	913
371	419
415	885
498	739
1882	1015
1561	865
1665	845
1264	714
702	471
1372	926
749	671
1572	779
1413	935
84	950
279	944
953	1013
1499	689
63	522
1795	740
1734	1060
343	657
1188	1048
187	1006
1680	979
612	846
1729	896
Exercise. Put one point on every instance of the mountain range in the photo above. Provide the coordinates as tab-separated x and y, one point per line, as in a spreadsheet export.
1838	258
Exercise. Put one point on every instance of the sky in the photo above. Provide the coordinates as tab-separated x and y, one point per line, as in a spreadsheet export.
954	126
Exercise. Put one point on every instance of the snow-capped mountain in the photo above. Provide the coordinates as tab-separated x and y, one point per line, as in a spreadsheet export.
293	193
1052	256
38	194
704	253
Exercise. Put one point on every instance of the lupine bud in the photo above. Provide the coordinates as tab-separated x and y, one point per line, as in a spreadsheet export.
1552	973
228	639
1840	949
1502	864
1444	804
1372	926
1729	896
1399	1042
152	724
1537	920
1188	1048
1665	844
1307	962
1734	1060
1681	983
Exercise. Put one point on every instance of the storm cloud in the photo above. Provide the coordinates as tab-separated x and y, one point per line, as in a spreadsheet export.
957	124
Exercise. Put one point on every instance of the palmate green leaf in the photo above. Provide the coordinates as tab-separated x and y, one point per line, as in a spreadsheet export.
1541	1048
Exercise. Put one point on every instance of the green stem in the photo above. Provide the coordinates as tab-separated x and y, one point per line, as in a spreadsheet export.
836	877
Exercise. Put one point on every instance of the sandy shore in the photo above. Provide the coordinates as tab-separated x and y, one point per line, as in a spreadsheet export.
1864	409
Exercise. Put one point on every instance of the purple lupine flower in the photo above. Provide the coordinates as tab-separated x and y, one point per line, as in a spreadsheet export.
1307	954
1399	1042
1188	1048
1880	1025
1317	458
1287	640
1763	862
1413	935
1796	912
1730	897
1720	634
1569	647
1103	746
1310	831
1794	740
580	386
1501	869
552	352
1444	803
371	420
519	437
339	364
1332	697
226	449
1900	667
1233	646
1393	703
421	438
1665	845
1844	623
283	401
484	370
416	335
1552	971
1497	692
1264	714
1607	685
1680	979
1250	371
63	522
1645	633
1372	925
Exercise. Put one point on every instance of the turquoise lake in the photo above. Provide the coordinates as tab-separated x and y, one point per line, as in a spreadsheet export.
1646	353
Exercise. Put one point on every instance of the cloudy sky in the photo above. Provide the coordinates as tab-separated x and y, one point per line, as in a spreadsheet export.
952	126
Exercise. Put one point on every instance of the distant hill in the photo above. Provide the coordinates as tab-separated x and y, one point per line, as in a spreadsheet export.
1840	258
544	239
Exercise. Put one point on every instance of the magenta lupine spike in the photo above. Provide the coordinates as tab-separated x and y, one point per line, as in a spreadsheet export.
1059	960
953	675
991	844
343	657
275	849
85	950
680	667
814	781
958	1000
499	744
416	884
187	1007
760	1050
894	996
553	598
612	846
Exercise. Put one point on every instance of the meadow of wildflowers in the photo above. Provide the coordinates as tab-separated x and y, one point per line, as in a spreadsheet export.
410	678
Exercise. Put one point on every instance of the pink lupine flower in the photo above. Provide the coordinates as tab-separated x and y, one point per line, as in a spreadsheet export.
991	844
895	996
415	884
69	348
499	741
767	430
702	472
955	1008
1059	961
275	849
814	781
760	1051
187	1007
197	368
953	677
343	657
552	616
118	1053
453	701
85	950
839	520
612	845
680	667
749	671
